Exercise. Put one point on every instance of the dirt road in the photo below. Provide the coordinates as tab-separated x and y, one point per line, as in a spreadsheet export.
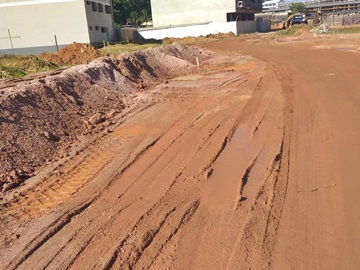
320	221
250	164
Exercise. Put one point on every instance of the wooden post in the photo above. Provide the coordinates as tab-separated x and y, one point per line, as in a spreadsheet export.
10	38
12	46
56	43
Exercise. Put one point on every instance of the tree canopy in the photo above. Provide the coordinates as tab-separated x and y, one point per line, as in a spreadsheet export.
131	11
298	7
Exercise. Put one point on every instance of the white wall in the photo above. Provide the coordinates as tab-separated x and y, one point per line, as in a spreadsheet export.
97	19
171	12
199	30
38	21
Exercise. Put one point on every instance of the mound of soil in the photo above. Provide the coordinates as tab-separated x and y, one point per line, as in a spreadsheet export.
76	53
41	116
148	66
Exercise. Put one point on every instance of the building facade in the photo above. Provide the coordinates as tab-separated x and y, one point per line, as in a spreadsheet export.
36	26
273	4
201	18
174	13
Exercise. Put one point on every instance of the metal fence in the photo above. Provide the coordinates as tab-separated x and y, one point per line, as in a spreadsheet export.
352	19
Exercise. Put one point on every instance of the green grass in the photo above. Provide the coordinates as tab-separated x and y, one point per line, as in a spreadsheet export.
127	47
353	29
17	66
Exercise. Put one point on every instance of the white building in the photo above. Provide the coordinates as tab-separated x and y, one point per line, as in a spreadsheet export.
35	26
166	13
202	17
272	4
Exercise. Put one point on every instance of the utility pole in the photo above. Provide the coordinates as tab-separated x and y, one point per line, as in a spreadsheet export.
10	38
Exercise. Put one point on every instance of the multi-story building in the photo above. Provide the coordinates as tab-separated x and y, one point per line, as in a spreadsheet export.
35	26
272	4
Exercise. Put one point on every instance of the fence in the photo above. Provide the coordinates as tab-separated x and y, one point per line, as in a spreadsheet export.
352	19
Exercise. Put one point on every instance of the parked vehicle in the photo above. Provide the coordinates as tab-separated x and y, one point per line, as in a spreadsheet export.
299	19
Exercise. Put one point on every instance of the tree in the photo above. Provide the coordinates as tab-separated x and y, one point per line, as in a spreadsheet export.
131	11
134	18
298	7
144	16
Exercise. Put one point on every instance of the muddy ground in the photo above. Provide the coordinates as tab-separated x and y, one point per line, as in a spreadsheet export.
240	155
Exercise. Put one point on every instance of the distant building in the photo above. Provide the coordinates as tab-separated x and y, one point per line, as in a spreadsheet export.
272	4
172	13
36	26
203	17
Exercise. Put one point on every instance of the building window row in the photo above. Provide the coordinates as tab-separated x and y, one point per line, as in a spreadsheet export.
99	7
97	28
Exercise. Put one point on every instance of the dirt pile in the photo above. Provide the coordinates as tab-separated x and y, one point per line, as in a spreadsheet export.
151	65
40	117
322	28
76	53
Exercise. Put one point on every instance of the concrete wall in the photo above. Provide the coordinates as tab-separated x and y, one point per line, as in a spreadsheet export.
167	12
263	26
239	27
244	27
100	23
189	30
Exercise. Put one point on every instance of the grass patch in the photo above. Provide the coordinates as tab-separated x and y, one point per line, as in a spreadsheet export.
128	47
17	66
351	29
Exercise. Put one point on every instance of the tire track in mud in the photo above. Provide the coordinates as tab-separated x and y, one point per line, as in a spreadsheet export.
259	234
35	244
175	151
65	179
265	105
215	129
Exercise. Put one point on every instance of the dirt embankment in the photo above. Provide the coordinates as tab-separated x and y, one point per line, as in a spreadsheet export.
41	116
76	53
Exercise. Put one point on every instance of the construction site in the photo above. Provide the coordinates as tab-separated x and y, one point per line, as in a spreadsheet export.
233	152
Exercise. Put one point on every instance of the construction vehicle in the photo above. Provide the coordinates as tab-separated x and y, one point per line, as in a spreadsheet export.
295	19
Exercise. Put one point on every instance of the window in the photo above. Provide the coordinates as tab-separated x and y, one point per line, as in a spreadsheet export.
104	29
108	9
88	3
90	28
94	6
100	7
97	27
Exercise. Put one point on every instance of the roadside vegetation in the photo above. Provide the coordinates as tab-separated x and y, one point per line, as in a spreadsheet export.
124	47
17	66
351	29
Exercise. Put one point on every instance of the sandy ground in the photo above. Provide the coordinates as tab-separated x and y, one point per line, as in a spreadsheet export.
249	163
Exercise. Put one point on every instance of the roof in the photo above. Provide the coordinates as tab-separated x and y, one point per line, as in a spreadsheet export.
14	3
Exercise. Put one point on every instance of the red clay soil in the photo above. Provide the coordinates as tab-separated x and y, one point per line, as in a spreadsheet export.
76	53
43	115
251	162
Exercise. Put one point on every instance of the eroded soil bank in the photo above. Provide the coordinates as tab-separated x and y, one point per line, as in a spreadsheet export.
43	117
